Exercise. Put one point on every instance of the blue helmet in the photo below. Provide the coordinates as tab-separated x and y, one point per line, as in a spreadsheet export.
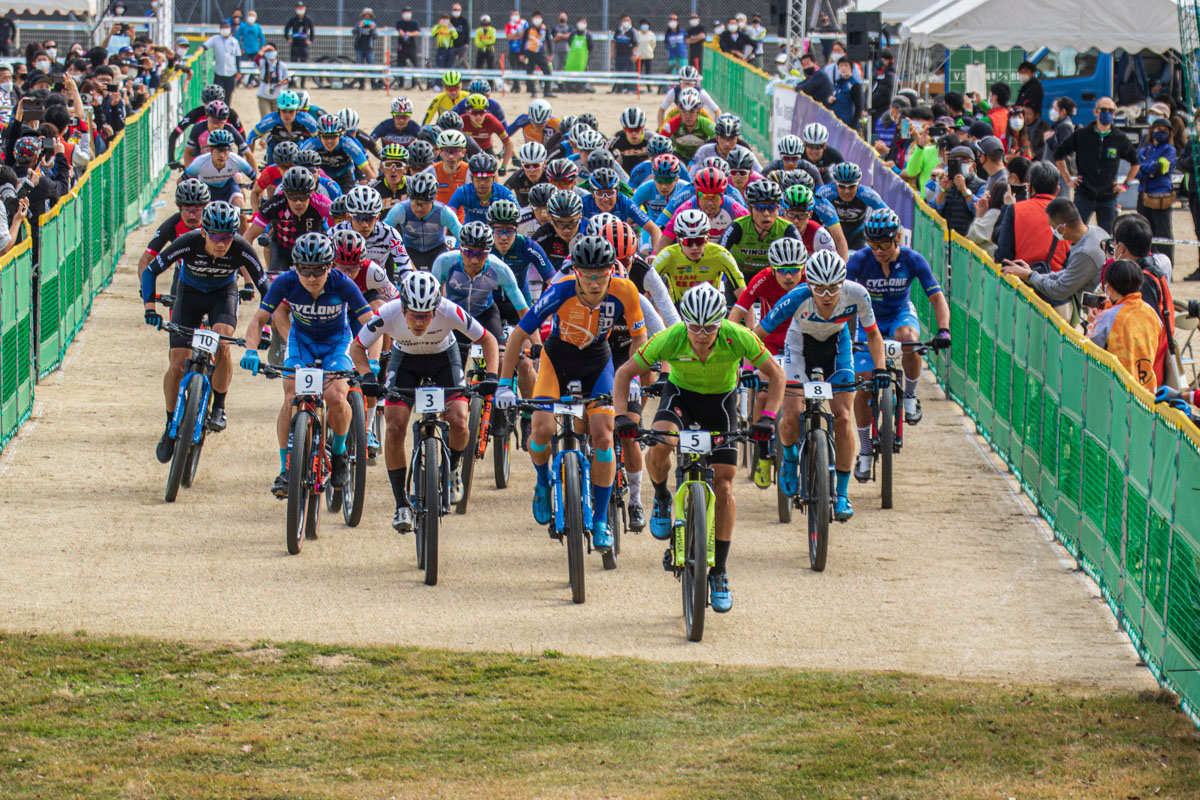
220	138
846	173
604	178
881	224
313	249
666	166
479	86
288	101
220	217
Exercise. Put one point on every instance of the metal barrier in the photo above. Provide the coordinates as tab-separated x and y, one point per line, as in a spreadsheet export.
339	71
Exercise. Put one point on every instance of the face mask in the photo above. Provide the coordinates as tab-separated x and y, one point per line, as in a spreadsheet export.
6	86
537	21
672	24
1106	117
455	14
836	57
1160	137
515	18
732	28
581	26
810	71
718	29
406	16
52	52
299	12
119	11
1054	113
1017	123
645	27
694	21
626	26
1058	235
251	19
226	32
270	55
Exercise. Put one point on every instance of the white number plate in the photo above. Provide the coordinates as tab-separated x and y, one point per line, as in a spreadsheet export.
430	399
574	409
781	359
476	351
892	348
698	442
310	381
206	341
818	390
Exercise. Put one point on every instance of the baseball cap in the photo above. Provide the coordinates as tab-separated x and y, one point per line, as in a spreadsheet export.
963	152
990	146
980	129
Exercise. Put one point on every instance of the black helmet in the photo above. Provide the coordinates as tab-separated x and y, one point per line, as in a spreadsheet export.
285	152
565	204
540	194
192	192
299	180
313	248
422	186
592	252
337	206
308	158
764	192
450	119
599	159
212	92
428	133
728	125
477	235
221	217
482	164
420	154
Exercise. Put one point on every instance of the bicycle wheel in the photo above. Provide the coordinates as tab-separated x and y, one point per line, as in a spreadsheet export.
354	495
695	571
183	436
500	452
816	476
615	507
415	497
189	472
573	502
299	480
467	464
431	452
887	442
784	502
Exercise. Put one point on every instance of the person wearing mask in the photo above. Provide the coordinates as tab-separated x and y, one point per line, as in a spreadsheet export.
1098	148
675	42
992	163
299	31
734	42
645	48
408	42
887	126
1129	328
1031	94
272	79
8	93
1022	232
836	53
535	44
999	94
696	36
226	52
1156	196
957	189
47	172
1061	128
462	27
251	37
485	44
816	83
848	96
883	86
444	37
364	34
758	34
921	158
579	51
560	44
987	213
623	42
1081	271
514	31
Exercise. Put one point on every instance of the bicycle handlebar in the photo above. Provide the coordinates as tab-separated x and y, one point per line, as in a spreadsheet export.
271	371
450	391
173	328
567	399
920	348
720	438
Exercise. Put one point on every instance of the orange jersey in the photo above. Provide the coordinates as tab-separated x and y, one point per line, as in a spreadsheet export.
447	183
575	323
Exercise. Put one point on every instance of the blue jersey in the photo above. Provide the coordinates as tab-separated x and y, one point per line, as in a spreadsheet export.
271	126
327	185
342	159
890	293
853	213
644	172
320	318
625	210
523	254
474	209
476	294
686	192
648	197
493	108
422	234
385	133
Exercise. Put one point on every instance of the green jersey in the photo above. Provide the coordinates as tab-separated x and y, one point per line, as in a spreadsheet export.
748	248
718	374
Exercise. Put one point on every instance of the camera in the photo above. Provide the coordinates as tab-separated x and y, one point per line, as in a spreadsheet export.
954	168
1093	300
1109	246
1019	191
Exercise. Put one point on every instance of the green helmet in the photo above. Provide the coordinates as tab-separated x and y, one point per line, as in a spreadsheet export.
394	152
798	198
451	77
503	212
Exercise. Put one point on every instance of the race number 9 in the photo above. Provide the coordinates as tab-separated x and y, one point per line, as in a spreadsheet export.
698	442
310	381
206	341
430	400
892	348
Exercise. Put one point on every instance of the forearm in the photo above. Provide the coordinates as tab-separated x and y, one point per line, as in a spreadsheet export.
941	310
621	380
512	352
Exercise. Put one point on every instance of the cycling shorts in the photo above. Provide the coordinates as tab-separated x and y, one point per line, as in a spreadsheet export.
562	363
410	370
424	260
334	353
905	317
712	412
192	306
833	356
226	192
281	257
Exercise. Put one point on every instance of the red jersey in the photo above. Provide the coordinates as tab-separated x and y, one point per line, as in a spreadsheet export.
270	176
483	134
766	290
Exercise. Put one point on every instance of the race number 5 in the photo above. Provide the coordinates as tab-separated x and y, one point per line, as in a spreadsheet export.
309	381
206	341
430	399
698	442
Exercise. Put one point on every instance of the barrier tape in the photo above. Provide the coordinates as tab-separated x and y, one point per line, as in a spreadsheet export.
1190	242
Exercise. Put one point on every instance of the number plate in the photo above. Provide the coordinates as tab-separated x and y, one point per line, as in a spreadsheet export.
818	390
206	341
310	381
574	409
781	359
698	442
430	399
892	348
476	351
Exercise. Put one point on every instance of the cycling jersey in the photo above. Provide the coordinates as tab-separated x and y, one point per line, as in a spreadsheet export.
202	271
531	132
322	317
221	182
643	172
853	214
828	158
198	138
170	230
275	215
800	308
715	265
764	289
890	293
576	324
709	150
387	133
520	185
625	210
339	162
272	175
749	247
483	133
440	103
816	237
389	195
476	293
493	108
685	191
385	246
465	201
273	128
448	317
448	183
687	142
529	224
629	154
423	234
195	117
365	142
824	212
525	256
647	197
556	248
805	165
730	211
718	373
672	97
372	280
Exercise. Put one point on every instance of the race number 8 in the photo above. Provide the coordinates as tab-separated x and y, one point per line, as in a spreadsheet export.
309	381
814	390
430	400
698	442
206	341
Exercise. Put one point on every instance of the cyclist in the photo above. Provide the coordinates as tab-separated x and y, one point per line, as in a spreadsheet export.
288	124
482	126
711	200
535	213
742	169
197	115
385	244
306	104
822	210
471	200
446	99
340	155
319	299
311	160
817	150
210	259
566	224
585	306
524	257
537	124
689	130
472	275
423	222
630	143
392	181
451	120
219	168
350	125
296	209
421	323
191	196
606	198
652	196
888	270
421	155
797	208
696	258
482	88
532	158
749	237
285	158
705	352
791	152
563	174
451	171
689	78
656	145
818	337
216	119
851	200
727	132
399	128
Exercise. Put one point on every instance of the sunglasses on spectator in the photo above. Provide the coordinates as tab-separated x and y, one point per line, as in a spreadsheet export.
765	207
219	238
471	252
297	196
364	217
694	241
788	270
704	329
825	291
393	165
504	231
604	193
594	277
311	270
882	246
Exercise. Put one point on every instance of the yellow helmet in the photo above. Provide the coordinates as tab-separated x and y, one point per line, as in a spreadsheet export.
477	102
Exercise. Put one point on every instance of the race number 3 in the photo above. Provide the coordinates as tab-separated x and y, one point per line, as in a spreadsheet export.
892	348
818	390
206	341
309	381
430	399
698	442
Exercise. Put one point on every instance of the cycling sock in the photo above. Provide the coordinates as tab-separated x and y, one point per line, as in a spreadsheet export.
722	553
399	479
218	400
337	443
455	458
843	483
791	452
660	490
283	451
600	497
864	441
635	488
543	473
910	386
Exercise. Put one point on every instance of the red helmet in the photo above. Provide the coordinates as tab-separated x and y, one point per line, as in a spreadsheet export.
711	180
349	246
622	237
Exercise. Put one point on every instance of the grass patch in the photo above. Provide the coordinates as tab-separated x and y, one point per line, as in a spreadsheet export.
130	718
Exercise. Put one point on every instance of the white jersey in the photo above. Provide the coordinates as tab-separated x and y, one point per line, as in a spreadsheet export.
672	97
438	337
374	277
708	151
528	223
823	240
800	307
203	168
385	246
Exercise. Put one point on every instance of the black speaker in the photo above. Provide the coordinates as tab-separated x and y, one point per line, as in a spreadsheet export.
867	23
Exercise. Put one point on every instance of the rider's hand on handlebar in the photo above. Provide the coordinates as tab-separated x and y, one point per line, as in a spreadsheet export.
535	351
505	397
370	385
175	164
488	385
250	362
153	318
942	340
763	430
749	379
246	293
624	427
882	378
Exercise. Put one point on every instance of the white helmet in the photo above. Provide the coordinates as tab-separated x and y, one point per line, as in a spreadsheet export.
689	100
402	105
305	100
703	304
815	134
825	268
591	140
791	145
690	223
532	153
364	200
597	223
349	119
420	291
633	117
787	252
452	138
539	112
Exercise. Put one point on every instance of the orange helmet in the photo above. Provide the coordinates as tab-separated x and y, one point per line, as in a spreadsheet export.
622	237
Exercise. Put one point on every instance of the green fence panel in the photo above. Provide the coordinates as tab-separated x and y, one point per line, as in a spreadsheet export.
741	90
51	296
16	340
1181	655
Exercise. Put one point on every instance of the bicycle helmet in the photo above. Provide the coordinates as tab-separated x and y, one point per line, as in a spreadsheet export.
482	164
728	125
791	146
429	133
308	158
305	100
565	205
566	123
846	173
622	237
420	291
665	167
689	100
540	194
599	159
598	222
298	179
422	186
349	119
540	112
589	119
220	138
451	77
212	92
710	181
633	117
220	217
337	207
402	106
479	86
451	138
576	133
798	198
285	152
741	159
503	212
814	134
592	252
192	192
795	177
450	120
393	152
561	170
364	200
825	268
703	304
604	178
659	145
716	162
688	73
591	139
216	110
692	223
881	224
477	102
288	101
420	154
477	235
532	153
314	249
787	252
349	246
763	192
329	125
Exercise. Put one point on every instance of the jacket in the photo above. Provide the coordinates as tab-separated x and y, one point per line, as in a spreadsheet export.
1097	157
848	100
250	36
1080	273
1155	162
1131	331
818	87
1023	234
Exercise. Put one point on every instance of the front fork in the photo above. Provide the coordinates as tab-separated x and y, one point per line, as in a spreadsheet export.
680	524
585	490
181	398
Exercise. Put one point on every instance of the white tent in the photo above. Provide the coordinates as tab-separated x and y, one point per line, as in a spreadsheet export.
1104	24
50	6
893	11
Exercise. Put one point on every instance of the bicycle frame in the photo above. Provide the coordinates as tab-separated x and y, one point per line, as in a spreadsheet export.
569	445
696	470
430	426
197	364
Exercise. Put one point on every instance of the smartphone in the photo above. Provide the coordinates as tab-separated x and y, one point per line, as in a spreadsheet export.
954	168
24	189
1019	192
47	142
1094	300
32	110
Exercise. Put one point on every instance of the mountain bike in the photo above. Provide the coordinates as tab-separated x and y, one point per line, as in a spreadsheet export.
479	423
352	497
693	540
188	423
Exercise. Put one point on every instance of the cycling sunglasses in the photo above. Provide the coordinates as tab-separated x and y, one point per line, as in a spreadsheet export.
665	179
219	238
694	241
393	165
789	270
593	277
704	329
505	232
709	195
297	195
825	291
882	246
471	252
191	209
765	207
364	217
419	315
311	270
739	173
604	193
453	150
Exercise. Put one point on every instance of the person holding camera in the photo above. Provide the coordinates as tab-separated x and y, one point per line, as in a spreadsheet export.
957	190
1129	328
1080	272
14	208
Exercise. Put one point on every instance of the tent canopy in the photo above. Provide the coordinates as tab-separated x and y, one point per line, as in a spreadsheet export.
49	6
1104	24
893	11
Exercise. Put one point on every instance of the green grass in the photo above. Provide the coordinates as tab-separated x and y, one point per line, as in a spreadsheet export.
131	718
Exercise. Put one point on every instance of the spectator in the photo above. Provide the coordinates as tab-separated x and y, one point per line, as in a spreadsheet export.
887	127
226	51
921	159
560	43
578	54
885	85
758	34
1081	272
623	42
364	34
1030	129
848	96
1098	148
251	37
1132	240
816	83
645	48
408	42
299	31
957	189
536	44
1031	94
8	32
675	42
444	37
696	36
1061	127
992	164
46	171
1156	196
514	30
836	54
118	37
485	44
999	94
987	213
13	211
272	79
735	42
462	26
8	93
1129	328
